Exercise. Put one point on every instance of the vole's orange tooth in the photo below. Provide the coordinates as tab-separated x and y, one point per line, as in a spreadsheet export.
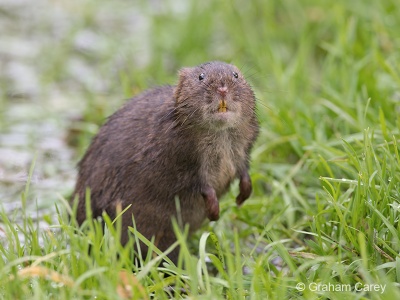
222	106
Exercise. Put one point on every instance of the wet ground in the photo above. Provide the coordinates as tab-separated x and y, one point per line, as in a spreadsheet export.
54	57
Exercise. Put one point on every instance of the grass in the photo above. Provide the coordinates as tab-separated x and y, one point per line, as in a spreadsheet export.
326	168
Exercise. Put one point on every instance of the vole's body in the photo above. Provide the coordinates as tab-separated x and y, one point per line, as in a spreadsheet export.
172	142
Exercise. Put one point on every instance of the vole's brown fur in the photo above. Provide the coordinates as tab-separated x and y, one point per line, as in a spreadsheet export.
169	142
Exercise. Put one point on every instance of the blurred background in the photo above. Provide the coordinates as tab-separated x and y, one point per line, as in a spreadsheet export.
316	66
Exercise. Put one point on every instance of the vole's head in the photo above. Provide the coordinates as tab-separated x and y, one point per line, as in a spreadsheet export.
213	95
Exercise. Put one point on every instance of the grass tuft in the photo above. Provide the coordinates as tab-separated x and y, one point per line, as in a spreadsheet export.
324	218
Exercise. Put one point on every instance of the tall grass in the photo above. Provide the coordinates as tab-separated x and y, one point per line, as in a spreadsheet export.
326	168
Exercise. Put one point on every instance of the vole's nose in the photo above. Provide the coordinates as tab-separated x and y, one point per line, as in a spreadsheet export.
222	90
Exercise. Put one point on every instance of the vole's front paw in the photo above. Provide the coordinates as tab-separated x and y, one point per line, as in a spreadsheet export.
245	188
213	211
211	203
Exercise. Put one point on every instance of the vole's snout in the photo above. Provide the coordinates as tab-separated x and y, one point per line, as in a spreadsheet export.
222	90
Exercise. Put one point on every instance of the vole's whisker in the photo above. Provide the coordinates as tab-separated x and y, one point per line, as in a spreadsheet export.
188	116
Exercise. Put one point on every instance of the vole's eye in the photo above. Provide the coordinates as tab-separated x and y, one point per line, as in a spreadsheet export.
201	76
235	74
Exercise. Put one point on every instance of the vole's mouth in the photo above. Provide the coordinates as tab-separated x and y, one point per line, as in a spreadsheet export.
222	106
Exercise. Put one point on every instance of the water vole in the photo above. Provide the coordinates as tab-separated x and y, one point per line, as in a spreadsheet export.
188	141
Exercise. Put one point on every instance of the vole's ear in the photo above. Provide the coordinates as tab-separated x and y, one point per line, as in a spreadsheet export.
183	74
